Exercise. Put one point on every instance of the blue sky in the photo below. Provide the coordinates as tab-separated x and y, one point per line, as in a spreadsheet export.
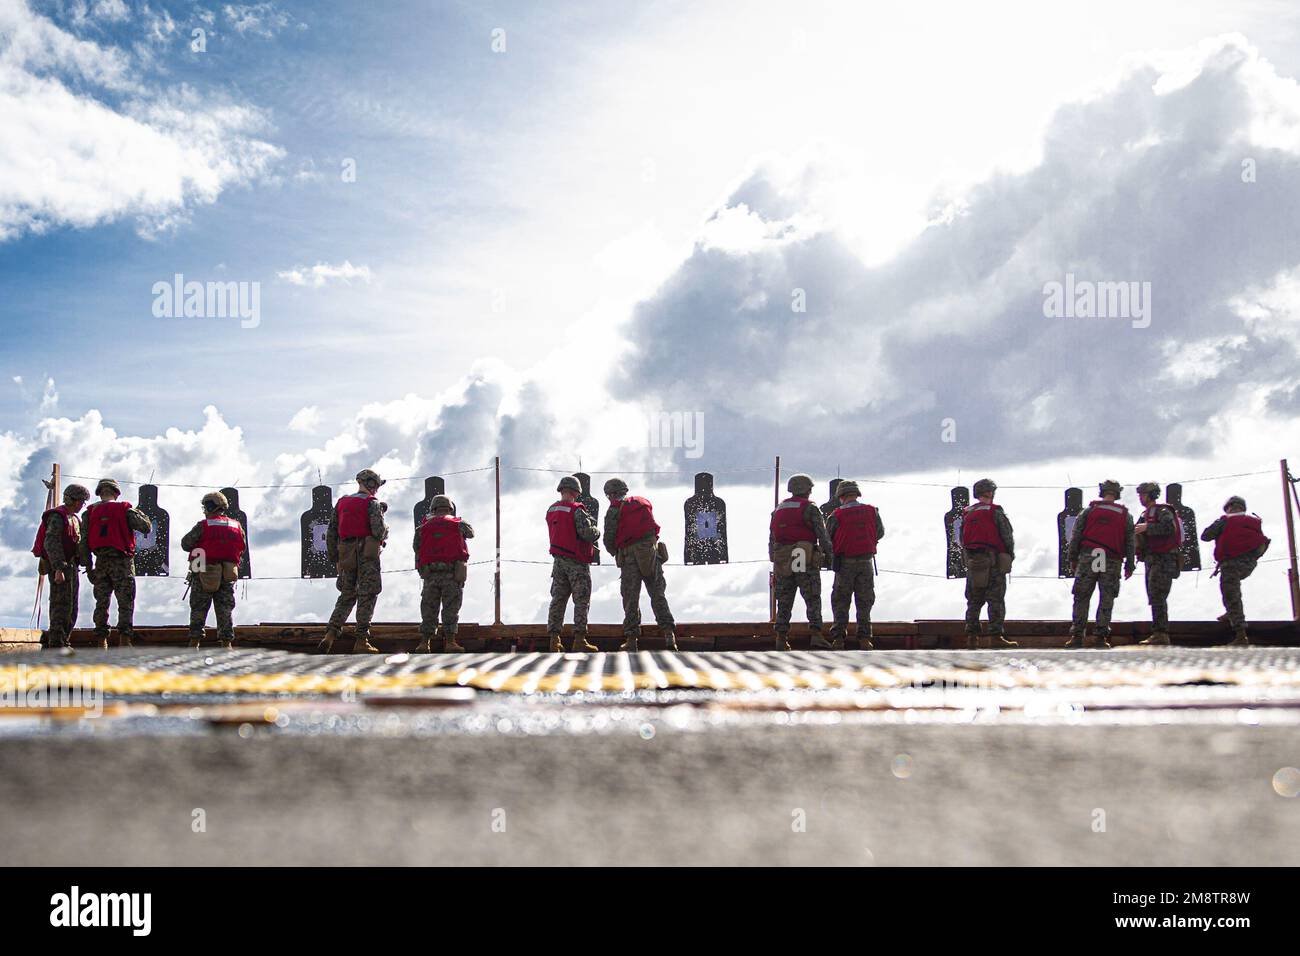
546	244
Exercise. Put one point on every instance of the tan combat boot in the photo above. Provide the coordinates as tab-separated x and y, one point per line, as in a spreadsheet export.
998	642
327	642
195	641
124	638
1241	640
1075	642
581	645
971	642
424	647
670	640
362	645
817	642
629	643
227	644
554	644
450	645
1157	638
837	641
782	642
1101	642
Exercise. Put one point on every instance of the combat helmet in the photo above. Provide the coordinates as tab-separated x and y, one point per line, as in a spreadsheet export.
1149	488
569	483
615	488
108	483
76	493
214	501
847	487
800	485
1110	487
440	502
985	486
367	476
1236	500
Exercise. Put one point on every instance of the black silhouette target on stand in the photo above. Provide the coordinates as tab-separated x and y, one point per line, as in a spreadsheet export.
593	508
151	558
316	561
706	524
1065	527
956	565
1191	548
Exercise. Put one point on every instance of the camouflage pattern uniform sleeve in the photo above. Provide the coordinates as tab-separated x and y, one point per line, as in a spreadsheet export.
1076	536
1214	530
813	517
83	549
584	526
191	539
466	529
832	523
880	526
54	543
415	541
378	528
611	530
771	542
137	520
332	536
1003	524
1130	543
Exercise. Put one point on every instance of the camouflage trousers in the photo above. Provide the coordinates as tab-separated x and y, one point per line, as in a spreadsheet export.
569	577
1106	581
114	577
1160	573
630	581
222	601
63	609
441	590
854	582
993	592
1231	573
358	588
807	583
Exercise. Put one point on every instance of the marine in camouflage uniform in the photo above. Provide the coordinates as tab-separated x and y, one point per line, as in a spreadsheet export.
441	592
221	601
986	581
789	582
854	581
112	572
62	568
629	559
1157	525
1097	571
359	586
1232	571
571	577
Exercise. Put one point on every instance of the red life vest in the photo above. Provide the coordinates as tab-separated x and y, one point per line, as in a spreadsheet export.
222	539
855	529
636	519
564	533
106	526
1167	544
1105	527
979	532
354	515
1241	534
70	536
441	541
788	524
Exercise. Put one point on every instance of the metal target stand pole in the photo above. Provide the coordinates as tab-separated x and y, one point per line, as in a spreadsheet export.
496	587
1293	581
771	575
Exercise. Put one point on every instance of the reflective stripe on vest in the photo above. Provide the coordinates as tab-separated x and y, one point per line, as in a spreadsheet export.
1241	534
354	515
1105	528
855	529
441	541
106	526
561	524
788	524
979	530
636	520
222	539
